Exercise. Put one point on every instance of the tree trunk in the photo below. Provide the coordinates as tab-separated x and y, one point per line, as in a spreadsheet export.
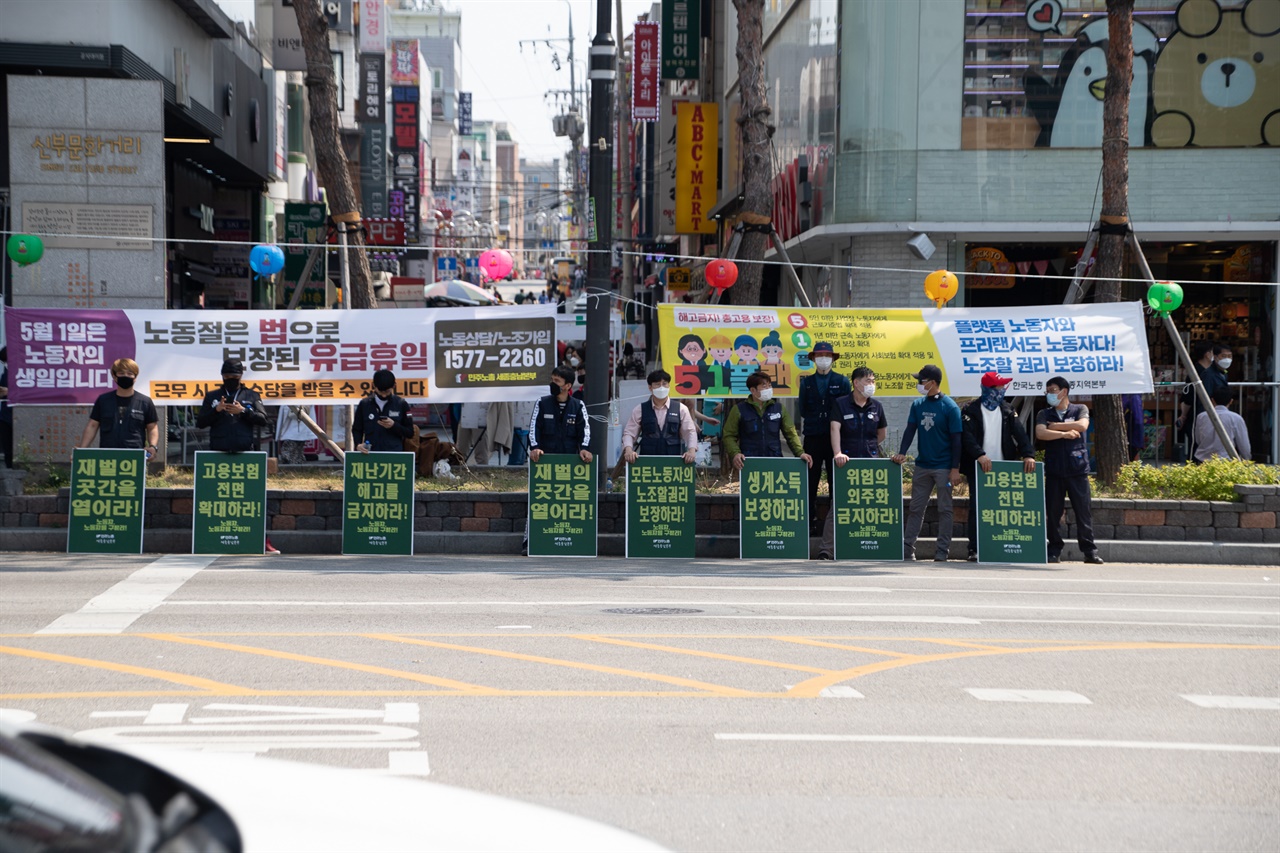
1108	412
331	162
757	200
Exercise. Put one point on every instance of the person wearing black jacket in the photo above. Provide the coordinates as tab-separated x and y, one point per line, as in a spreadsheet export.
558	425
980	443
232	413
382	420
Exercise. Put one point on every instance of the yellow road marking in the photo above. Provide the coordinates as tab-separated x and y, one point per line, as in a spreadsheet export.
329	662
595	638
128	669
718	689
374	694
804	641
965	645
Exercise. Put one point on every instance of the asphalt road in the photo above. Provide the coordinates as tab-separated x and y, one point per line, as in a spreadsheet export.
712	705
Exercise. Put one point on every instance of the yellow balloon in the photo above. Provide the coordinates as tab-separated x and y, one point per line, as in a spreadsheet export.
941	286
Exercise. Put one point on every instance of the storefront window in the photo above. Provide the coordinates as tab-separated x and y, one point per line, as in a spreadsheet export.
1205	73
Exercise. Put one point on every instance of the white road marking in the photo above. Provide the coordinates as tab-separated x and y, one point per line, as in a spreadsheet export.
837	691
1172	746
514	627
132	598
165	714
400	712
906	620
961	591
1108	622
1246	703
407	763
1060	697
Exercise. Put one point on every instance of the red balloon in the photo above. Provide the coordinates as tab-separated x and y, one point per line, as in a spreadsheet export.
721	274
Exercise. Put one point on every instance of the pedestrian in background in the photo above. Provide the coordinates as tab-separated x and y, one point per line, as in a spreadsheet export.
818	393
935	417
992	431
382	420
1063	427
1208	445
123	418
6	413
856	429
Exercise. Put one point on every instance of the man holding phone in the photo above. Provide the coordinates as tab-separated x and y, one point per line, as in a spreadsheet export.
382	420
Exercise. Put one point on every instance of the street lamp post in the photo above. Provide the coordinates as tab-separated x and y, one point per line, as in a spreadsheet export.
599	257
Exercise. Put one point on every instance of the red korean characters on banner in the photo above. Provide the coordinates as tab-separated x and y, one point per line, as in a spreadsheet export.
646	73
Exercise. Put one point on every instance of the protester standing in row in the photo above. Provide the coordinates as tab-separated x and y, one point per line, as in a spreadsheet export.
818	393
856	429
992	432
757	425
559	425
1062	428
123	418
659	427
382	420
936	418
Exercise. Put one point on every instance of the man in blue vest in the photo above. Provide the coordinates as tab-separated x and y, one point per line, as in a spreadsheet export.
818	393
658	427
757	425
856	430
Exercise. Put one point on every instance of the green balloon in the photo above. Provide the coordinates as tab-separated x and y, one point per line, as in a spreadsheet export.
1164	296
25	249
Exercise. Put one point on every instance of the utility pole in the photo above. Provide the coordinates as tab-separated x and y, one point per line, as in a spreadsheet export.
600	249
624	162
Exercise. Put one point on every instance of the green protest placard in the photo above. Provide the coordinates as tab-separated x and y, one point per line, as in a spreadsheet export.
660	507
1010	514
562	506
377	503
773	504
108	489
867	501
230	512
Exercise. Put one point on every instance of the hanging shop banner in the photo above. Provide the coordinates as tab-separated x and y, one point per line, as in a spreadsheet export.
372	89
464	114
1010	514
377	503
681	39
1099	349
697	158
773	505
660	507
444	355
305	226
373	26
867	501
404	62
230	506
646	73
108	492
562	506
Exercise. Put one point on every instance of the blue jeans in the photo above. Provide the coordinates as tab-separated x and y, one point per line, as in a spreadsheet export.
519	448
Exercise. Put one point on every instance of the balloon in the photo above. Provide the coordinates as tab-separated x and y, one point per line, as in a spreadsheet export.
721	274
266	259
941	286
25	249
496	264
1164	296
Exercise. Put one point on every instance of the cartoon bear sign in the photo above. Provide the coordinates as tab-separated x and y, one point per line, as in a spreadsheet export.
1217	80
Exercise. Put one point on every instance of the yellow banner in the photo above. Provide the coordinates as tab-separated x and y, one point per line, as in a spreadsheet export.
697	164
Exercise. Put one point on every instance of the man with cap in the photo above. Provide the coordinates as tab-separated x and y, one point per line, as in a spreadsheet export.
857	429
936	418
992	431
232	413
1062	428
818	393
382	420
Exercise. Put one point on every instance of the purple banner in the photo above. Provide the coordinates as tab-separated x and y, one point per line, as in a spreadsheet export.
58	356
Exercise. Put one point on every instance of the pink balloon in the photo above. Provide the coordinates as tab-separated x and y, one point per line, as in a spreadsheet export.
496	264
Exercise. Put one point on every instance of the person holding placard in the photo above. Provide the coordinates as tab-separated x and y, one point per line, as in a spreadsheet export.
382	420
818	393
123	418
559	425
1062	427
856	429
757	425
992	431
659	427
936	418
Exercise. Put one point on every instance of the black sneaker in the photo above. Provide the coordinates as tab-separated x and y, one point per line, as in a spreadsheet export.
909	556
524	548
1093	558
972	558
941	558
823	555
1054	558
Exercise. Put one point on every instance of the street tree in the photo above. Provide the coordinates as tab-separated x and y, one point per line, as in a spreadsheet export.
1108	411
757	131
331	161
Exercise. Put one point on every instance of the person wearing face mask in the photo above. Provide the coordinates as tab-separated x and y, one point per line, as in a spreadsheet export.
233	413
6	414
1208	357
818	393
856	430
936	418
757	425
382	420
992	431
123	418
658	427
1062	428
558	425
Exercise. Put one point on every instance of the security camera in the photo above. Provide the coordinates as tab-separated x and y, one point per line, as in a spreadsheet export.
921	246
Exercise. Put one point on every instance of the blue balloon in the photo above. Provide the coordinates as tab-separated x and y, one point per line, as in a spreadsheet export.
266	259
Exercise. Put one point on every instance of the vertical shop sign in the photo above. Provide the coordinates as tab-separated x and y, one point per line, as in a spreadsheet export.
646	73
562	506
377	503
660	508
697	158
304	226
404	62
372	88
230	503
108	489
773	503
373	171
405	135
1010	514
373	27
867	501
464	114
681	39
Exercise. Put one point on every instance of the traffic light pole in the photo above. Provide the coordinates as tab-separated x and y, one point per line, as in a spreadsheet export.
600	208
